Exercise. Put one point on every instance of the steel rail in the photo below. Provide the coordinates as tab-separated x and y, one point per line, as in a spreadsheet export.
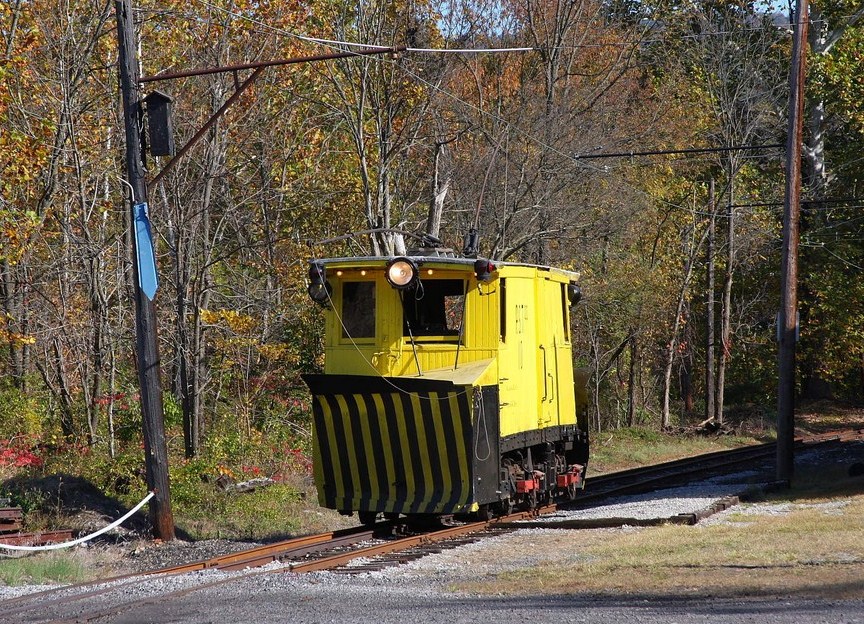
411	541
323	563
36	539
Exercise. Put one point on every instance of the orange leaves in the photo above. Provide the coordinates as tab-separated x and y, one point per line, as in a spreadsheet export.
238	339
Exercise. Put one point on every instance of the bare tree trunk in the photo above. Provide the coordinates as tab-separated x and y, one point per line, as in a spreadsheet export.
631	380
861	376
687	364
10	290
10	38
60	390
672	345
821	38
671	348
726	311
200	365
710	386
183	348
439	192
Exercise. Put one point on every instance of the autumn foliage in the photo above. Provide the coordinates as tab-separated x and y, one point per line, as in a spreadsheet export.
508	141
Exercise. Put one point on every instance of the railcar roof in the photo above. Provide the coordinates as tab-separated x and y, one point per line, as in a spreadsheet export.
424	259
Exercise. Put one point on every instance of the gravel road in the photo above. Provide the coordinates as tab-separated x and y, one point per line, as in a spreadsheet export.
380	598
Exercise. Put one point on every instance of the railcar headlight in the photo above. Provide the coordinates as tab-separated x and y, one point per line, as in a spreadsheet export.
574	293
401	273
484	269
319	288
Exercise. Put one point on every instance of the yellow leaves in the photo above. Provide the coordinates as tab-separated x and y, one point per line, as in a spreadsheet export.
231	319
238	342
277	352
16	228
9	336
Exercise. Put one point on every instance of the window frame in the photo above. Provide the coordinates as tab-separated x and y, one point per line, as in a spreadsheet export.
427	337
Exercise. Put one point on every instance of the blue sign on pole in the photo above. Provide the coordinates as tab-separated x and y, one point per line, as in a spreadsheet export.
147	278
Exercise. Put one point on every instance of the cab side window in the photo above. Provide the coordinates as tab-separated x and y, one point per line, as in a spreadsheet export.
565	312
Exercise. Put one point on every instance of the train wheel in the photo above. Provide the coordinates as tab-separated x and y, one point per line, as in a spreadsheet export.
544	498
483	514
367	518
504	507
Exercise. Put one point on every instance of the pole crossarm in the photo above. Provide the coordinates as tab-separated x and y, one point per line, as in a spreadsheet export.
203	130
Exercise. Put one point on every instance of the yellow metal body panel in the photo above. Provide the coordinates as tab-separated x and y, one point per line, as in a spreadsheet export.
535	355
389	352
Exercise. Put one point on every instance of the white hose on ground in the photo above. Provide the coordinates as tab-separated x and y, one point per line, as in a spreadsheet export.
86	538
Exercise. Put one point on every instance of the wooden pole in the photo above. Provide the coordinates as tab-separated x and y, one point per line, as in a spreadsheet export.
788	318
147	349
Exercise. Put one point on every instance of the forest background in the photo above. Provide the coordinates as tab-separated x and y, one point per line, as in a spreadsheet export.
678	248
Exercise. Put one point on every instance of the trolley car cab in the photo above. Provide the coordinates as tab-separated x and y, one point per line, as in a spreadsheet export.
448	386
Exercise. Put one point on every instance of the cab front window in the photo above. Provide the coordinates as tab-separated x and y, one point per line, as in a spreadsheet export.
434	308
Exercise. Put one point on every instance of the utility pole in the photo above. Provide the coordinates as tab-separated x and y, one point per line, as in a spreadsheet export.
788	319
147	349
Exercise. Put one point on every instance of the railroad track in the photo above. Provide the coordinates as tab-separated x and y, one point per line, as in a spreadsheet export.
327	551
648	478
39	538
340	551
255	557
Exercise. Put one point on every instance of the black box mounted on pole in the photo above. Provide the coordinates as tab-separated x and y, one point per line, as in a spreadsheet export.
159	129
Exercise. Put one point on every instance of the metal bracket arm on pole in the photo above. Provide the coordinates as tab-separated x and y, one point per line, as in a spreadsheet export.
210	122
289	61
258	67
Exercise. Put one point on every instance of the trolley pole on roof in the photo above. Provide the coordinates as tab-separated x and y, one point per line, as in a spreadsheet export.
787	324
147	349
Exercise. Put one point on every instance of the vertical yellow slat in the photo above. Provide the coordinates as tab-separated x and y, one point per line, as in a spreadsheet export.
422	442
460	447
400	418
334	452
440	440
